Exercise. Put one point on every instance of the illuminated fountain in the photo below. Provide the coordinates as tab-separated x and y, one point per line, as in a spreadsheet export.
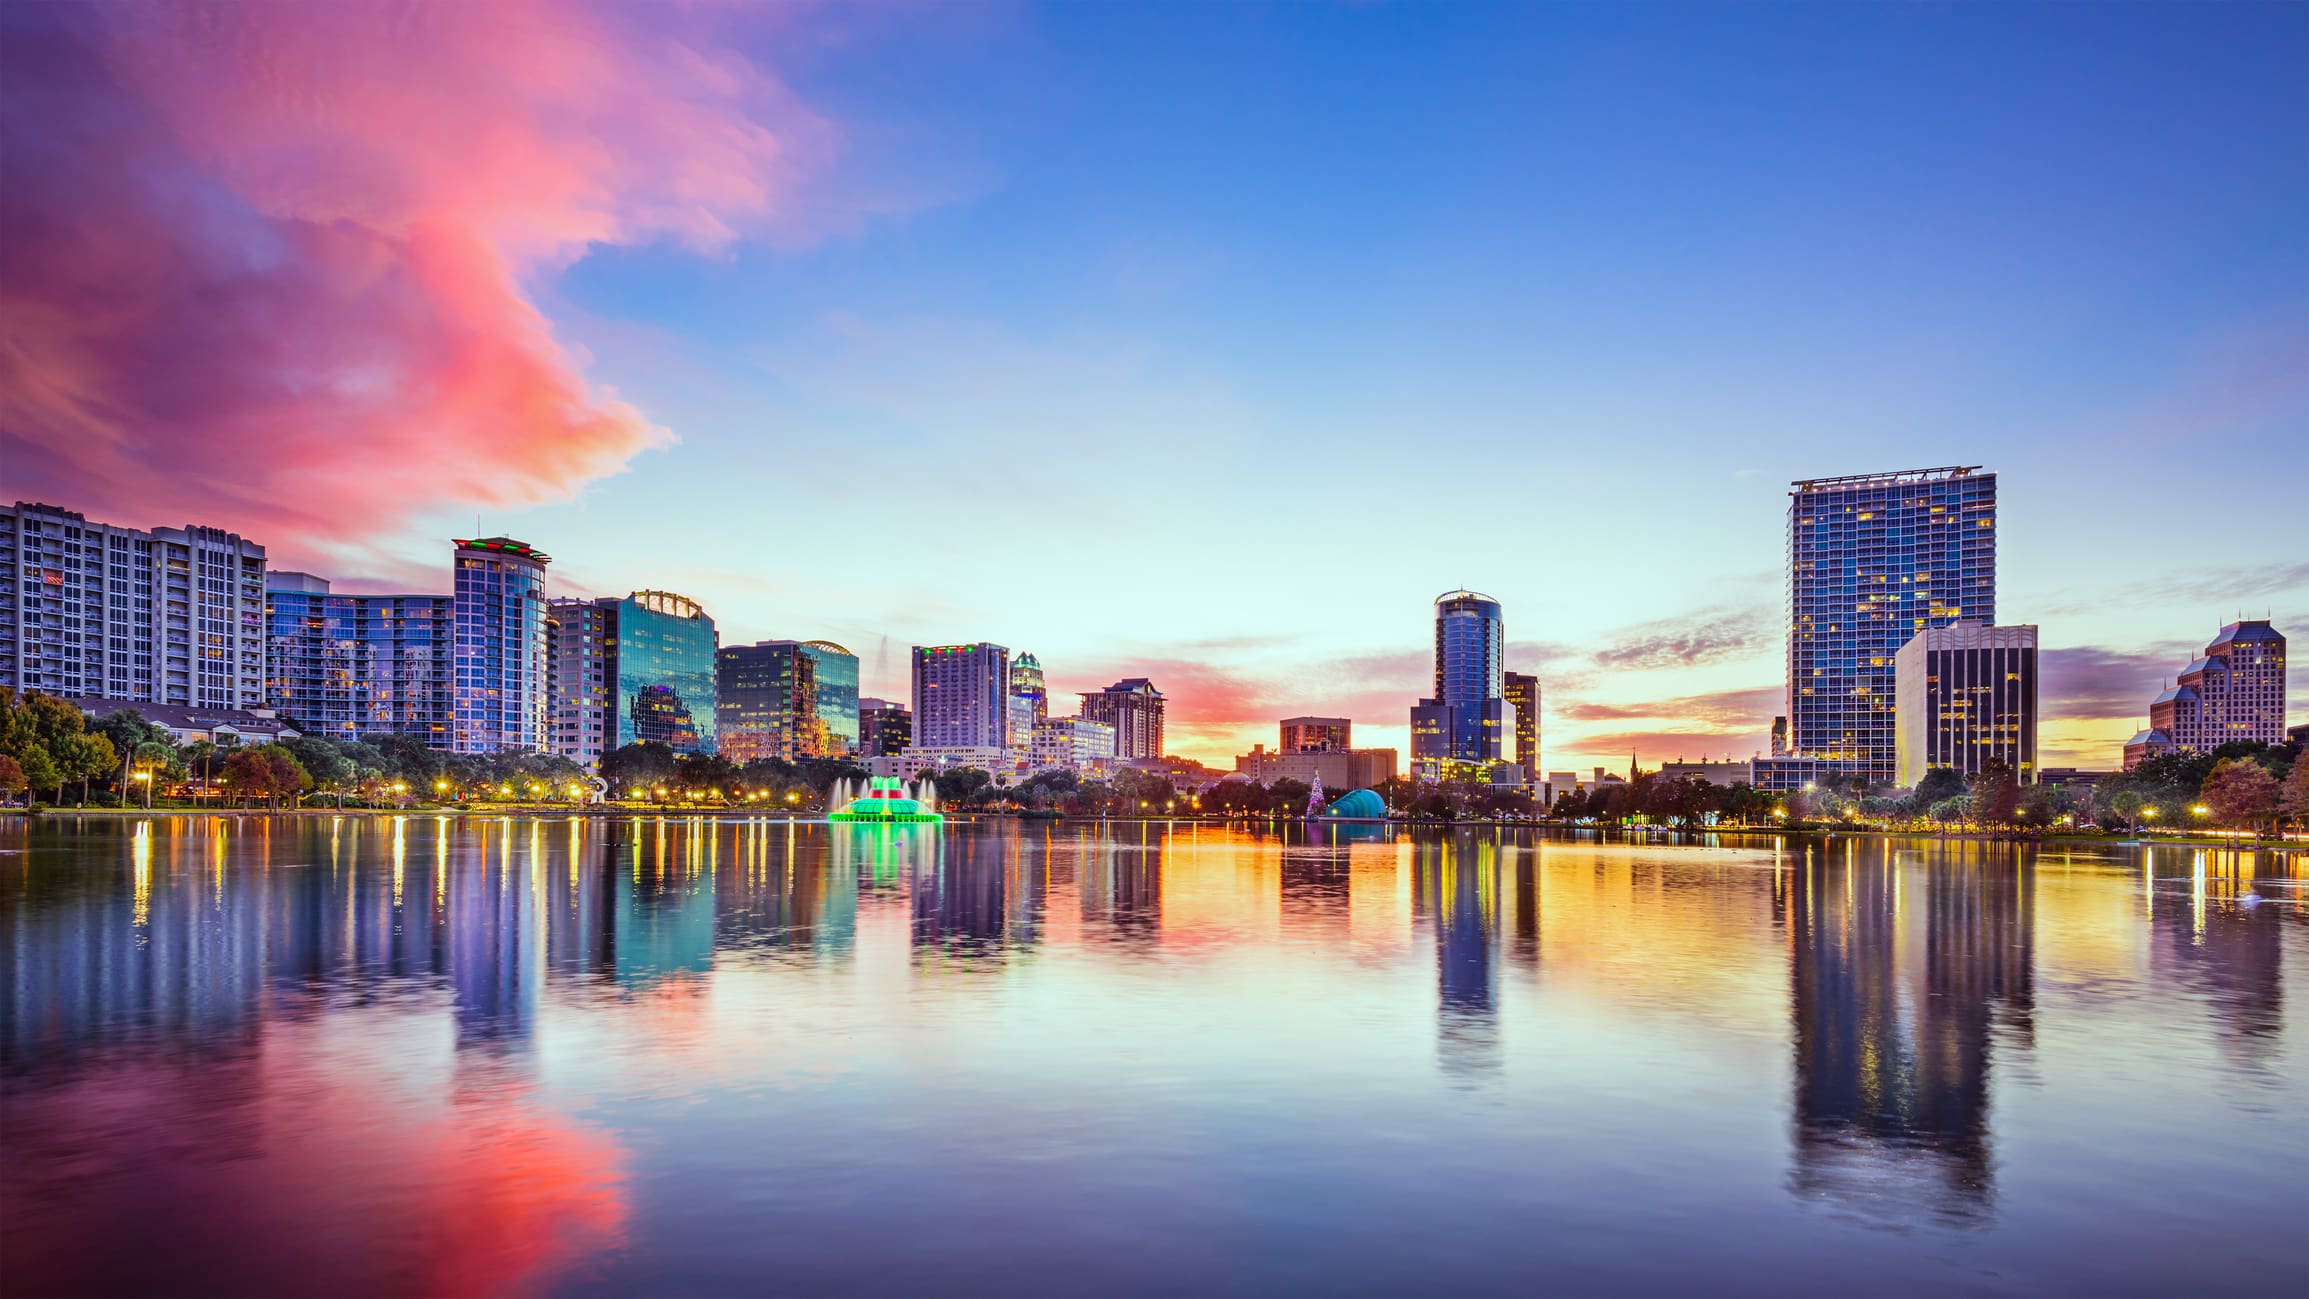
886	799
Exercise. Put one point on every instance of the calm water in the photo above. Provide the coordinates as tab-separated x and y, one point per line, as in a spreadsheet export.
305	1056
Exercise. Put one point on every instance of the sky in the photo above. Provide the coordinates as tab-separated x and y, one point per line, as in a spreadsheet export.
1203	343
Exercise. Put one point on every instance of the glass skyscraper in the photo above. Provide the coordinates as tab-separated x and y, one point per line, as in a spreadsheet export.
961	696
1873	559
788	699
663	660
1464	720
502	688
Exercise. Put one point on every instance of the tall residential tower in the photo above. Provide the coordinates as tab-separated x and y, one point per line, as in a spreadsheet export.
502	690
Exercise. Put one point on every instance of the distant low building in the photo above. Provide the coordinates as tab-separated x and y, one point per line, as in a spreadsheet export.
1710	773
885	728
1316	735
1786	774
2070	776
1002	763
1347	769
187	724
1071	744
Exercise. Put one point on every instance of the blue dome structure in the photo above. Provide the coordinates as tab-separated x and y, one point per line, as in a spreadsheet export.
1362	805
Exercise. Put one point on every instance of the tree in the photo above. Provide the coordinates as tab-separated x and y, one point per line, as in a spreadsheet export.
324	762
644	766
40	770
2296	796
12	779
247	775
1938	784
2241	794
1995	794
86	757
959	784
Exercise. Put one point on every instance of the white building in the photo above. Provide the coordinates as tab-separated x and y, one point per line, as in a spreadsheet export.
1071	744
170	616
1964	695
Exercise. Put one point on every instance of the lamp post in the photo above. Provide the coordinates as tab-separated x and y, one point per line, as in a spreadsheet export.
144	778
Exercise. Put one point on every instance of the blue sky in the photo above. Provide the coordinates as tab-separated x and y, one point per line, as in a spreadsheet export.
1211	342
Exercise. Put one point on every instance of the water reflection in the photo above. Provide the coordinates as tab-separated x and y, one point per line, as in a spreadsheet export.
465	1029
1902	975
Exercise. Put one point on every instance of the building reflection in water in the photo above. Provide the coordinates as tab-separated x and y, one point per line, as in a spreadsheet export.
2214	921
977	894
1903	981
1119	882
1456	892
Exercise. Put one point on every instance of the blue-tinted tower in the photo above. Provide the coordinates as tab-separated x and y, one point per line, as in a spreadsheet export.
1464	721
1874	559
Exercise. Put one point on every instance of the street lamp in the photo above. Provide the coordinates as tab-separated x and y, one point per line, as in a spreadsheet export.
144	778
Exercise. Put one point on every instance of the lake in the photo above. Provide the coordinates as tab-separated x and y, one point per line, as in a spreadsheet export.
556	1056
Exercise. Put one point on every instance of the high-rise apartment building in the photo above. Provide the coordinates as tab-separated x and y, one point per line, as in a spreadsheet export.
1462	723
1522	692
1070	743
502	690
885	729
962	696
789	699
1134	708
1316	735
1965	696
1029	704
90	610
345	666
583	636
2234	691
1873	559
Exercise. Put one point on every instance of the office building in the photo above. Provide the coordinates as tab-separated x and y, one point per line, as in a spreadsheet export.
2234	691
1316	735
962	696
1726	773
792	700
1134	708
1337	768
502	693
583	637
1071	744
1029	704
1461	725
884	728
345	666
169	616
1965	696
1873	559
1522	690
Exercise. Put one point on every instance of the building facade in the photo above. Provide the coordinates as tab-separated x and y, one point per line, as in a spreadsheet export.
169	616
1337	768
1071	744
1134	708
1965	696
884	728
1316	735
962	696
792	700
1873	559
502	693
1463	723
582	634
2234	691
345	666
1522	690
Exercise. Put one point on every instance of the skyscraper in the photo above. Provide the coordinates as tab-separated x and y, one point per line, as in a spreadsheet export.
1463	720
1873	559
1966	696
344	666
788	699
1029	700
169	616
1523	694
2234	691
502	691
1134	708
961	696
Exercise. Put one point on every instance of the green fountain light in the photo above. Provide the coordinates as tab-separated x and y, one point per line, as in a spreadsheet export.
886	800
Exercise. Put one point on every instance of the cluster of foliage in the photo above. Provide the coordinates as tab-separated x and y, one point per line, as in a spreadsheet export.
1682	801
2241	786
46	745
652	770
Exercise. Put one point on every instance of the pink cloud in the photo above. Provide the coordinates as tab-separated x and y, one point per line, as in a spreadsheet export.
265	265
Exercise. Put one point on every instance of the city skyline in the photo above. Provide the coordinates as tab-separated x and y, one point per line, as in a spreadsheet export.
814	293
